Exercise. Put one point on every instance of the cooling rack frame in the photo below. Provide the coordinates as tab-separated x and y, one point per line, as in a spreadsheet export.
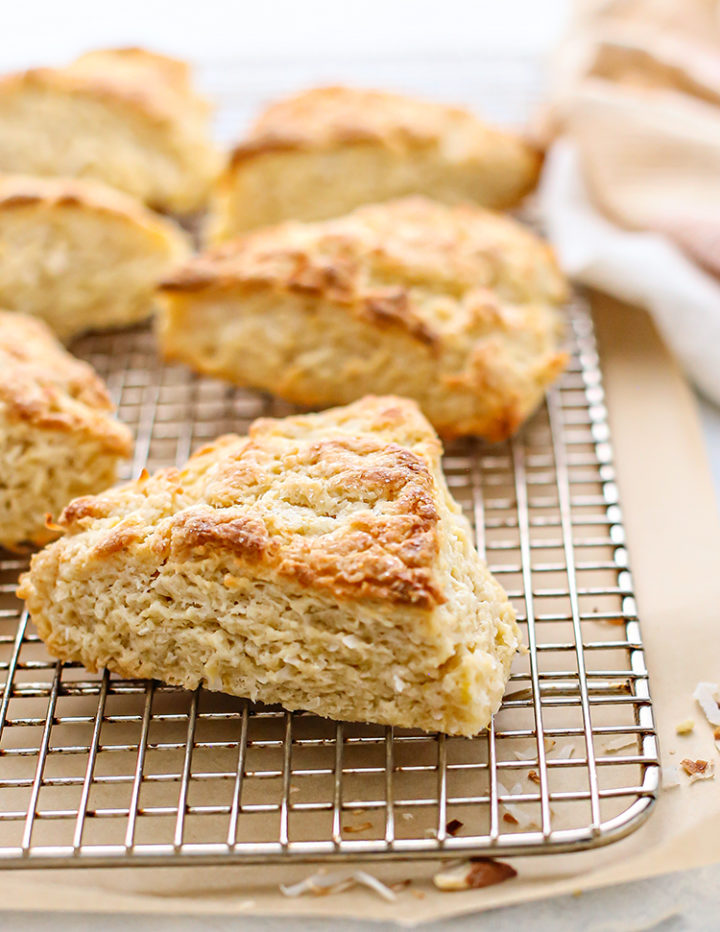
99	771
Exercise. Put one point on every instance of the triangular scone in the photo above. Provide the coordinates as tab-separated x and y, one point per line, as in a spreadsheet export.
128	117
319	563
325	151
455	307
58	438
80	254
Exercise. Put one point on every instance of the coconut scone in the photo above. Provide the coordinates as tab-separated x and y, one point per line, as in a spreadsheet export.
80	254
319	563
456	307
58	438
325	151
128	117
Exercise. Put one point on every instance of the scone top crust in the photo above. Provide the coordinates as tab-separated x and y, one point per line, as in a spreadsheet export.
409	262
142	80
43	385
33	191
324	117
342	501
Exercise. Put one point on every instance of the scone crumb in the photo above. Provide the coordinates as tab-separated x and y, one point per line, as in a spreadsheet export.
509	817
685	727
534	776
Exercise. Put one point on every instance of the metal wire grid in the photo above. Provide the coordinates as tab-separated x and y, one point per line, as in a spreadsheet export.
95	770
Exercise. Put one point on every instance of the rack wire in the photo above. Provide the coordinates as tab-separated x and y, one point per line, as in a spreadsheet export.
96	770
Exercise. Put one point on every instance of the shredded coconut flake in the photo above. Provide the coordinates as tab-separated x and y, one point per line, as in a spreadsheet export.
706	695
322	884
564	752
617	744
518	813
352	641
670	776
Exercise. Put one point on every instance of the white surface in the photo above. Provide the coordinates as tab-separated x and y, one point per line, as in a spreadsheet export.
250	51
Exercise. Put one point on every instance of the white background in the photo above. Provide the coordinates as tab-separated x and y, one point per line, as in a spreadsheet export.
487	53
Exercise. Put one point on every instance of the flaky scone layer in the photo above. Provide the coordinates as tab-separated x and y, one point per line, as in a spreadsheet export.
127	117
58	439
325	151
456	307
80	254
319	562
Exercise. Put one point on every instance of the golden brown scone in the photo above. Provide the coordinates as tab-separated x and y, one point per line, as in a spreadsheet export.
325	151
127	117
319	562
58	439
80	254
456	307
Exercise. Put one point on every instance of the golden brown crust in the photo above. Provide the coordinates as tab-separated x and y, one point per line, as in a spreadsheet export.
370	501
133	78
45	386
18	191
418	241
382	260
325	117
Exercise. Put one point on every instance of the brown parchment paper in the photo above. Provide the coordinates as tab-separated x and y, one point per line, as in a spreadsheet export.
674	540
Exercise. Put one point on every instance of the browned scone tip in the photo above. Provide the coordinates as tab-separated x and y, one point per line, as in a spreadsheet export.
319	562
455	306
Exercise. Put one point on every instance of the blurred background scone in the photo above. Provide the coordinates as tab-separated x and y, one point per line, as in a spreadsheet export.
58	438
456	307
320	562
127	117
80	254
325	151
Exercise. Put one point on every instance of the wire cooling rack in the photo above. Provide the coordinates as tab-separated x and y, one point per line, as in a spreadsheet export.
96	770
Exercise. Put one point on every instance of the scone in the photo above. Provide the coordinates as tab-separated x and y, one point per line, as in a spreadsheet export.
325	151
127	117
80	254
456	307
58	438
319	563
